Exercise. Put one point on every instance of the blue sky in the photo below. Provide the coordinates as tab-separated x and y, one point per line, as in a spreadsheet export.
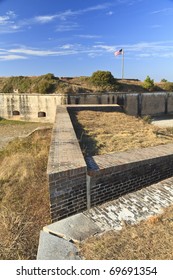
77	38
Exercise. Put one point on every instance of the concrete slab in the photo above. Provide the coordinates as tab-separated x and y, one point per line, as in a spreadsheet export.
164	121
77	227
54	248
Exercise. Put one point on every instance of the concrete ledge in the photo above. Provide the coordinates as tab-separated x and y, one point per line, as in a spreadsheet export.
55	248
76	228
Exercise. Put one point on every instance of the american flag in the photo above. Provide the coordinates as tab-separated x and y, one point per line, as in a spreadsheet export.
118	52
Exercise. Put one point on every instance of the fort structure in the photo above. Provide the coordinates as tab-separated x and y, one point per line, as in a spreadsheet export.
42	107
77	183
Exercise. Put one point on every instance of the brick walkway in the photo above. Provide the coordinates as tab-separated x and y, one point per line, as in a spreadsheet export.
133	207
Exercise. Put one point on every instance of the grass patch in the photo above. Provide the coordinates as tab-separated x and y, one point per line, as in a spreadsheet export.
24	198
12	122
149	240
109	132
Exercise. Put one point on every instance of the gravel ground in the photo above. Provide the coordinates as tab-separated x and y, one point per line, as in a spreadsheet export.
8	132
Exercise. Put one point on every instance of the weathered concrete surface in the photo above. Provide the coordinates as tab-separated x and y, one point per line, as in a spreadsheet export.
55	248
163	121
77	227
153	103
29	105
133	207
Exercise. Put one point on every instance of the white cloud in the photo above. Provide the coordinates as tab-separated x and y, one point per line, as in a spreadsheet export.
165	11
70	13
156	26
67	27
141	49
33	52
110	13
45	19
12	57
39	52
88	36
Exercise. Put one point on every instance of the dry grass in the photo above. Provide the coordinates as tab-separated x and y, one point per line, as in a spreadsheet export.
107	132
149	240
24	198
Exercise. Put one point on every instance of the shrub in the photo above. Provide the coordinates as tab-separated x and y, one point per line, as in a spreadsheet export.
102	79
163	81
148	83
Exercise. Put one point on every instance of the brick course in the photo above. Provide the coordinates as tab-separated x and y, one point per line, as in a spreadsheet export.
66	169
113	175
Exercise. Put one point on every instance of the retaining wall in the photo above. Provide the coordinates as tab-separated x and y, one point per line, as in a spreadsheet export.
42	107
76	185
116	174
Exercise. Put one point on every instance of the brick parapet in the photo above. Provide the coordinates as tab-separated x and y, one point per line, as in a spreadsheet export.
113	175
66	169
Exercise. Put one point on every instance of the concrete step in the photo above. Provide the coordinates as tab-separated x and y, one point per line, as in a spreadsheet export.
76	228
54	248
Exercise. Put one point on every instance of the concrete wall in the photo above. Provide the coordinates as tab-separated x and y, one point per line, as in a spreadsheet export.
153	103
30	107
27	106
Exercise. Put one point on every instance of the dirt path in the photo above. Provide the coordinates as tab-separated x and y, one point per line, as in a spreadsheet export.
10	130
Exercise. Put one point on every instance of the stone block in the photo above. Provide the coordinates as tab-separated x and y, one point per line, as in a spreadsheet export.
54	248
77	227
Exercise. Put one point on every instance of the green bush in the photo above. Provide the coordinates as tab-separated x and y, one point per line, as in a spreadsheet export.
102	79
163	81
44	87
148	83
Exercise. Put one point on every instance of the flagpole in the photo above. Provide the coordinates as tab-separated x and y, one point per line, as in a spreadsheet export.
123	64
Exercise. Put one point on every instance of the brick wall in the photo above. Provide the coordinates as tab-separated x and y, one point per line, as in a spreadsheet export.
66	169
76	185
113	175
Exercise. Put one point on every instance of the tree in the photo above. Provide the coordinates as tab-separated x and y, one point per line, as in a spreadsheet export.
148	83
102	79
163	81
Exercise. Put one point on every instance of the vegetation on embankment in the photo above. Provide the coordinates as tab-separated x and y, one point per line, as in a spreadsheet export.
99	81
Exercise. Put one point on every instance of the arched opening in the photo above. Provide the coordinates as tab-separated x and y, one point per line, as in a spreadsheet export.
16	113
41	114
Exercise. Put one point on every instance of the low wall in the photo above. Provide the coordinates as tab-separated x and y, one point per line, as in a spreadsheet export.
113	175
66	169
76	185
